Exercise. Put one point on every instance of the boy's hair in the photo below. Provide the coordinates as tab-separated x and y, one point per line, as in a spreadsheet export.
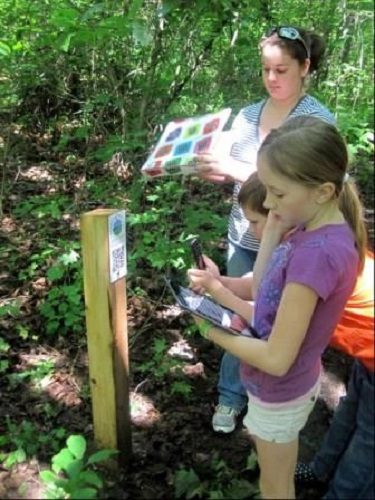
311	152
252	194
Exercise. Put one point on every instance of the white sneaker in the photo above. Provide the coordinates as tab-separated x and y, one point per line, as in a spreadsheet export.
224	419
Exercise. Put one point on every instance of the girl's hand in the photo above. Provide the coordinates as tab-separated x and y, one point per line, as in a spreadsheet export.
277	225
202	279
211	266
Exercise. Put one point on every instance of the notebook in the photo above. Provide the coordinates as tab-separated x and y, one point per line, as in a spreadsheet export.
182	141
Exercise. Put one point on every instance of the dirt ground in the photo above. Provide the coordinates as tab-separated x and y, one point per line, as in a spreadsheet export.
170	432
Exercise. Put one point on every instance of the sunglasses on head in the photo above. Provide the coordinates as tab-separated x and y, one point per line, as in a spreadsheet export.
289	33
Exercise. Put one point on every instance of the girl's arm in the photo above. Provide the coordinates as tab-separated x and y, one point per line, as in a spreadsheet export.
241	287
277	354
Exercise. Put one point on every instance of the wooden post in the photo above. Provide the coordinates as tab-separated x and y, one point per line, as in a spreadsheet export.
104	269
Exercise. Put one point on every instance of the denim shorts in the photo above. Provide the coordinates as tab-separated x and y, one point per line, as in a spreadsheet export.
279	422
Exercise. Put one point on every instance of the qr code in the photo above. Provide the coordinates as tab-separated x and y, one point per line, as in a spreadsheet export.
118	259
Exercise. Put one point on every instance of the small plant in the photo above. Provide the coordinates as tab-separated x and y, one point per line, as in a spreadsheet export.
219	482
71	474
4	348
159	365
63	307
41	207
181	387
25	440
11	309
36	375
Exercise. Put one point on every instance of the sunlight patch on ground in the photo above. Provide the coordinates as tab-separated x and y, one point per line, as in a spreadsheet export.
7	225
37	173
22	481
181	349
41	373
169	312
142	410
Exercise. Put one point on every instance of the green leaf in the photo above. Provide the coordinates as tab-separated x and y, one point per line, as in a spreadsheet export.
101	455
91	477
187	483
64	18
84	493
15	457
74	469
76	445
55	273
66	42
4	346
62	460
240	488
70	257
5	49
4	440
48	476
252	461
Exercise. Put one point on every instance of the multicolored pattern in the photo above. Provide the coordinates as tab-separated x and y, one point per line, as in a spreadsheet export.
182	141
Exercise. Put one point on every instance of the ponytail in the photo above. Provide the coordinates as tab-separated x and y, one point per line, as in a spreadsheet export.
353	211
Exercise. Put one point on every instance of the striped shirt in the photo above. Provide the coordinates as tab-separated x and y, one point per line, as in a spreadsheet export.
246	131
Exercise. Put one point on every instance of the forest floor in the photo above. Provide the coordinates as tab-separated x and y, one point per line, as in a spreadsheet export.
171	431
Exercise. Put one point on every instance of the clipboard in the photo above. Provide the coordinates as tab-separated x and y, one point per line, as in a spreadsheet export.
208	309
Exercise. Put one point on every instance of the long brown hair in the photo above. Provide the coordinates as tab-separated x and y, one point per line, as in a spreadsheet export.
314	42
311	152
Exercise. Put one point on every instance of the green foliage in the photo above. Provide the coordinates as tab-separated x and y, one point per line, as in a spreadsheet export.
72	473
124	70
63	307
35	375
159	252
12	308
41	207
159	365
218	482
25	440
167	208
4	348
181	387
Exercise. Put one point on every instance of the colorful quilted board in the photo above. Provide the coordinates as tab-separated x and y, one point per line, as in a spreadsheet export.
182	141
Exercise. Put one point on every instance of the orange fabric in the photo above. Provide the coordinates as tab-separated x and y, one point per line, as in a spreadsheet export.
354	334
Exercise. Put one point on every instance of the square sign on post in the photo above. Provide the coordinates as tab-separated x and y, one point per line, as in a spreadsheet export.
117	246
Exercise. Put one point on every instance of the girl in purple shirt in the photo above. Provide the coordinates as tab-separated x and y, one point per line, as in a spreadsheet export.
301	284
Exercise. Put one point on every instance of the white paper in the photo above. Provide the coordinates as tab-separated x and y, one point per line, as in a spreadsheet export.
117	246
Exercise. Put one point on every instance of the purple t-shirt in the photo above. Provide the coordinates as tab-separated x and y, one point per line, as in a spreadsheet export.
325	260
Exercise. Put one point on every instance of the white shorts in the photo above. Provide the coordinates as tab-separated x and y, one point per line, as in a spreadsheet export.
279	422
